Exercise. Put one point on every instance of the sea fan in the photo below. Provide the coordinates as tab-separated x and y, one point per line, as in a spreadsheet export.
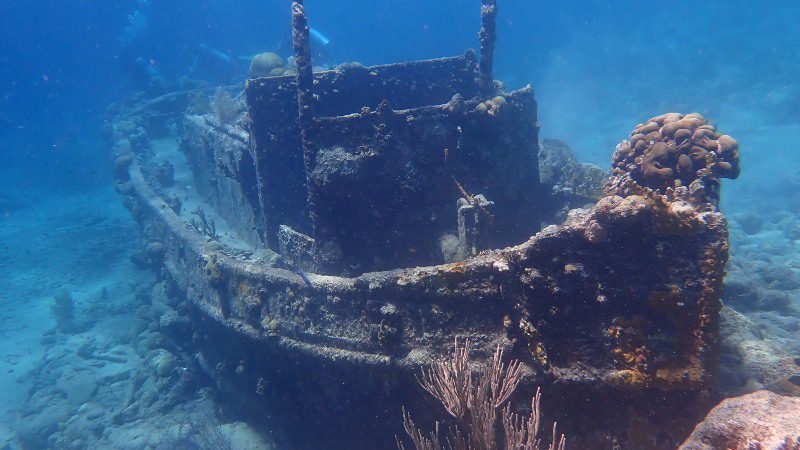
224	106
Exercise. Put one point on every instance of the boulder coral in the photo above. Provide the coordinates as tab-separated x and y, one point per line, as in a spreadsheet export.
263	63
676	153
761	420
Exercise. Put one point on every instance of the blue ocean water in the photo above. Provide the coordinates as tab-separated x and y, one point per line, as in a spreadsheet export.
598	68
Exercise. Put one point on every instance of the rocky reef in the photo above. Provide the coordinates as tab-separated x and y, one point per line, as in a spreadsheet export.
761	319
761	420
566	183
125	382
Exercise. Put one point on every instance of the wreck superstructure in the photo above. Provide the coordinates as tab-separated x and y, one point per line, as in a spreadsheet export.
389	150
373	214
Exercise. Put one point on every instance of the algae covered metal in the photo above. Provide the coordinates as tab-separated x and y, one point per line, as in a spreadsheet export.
371	169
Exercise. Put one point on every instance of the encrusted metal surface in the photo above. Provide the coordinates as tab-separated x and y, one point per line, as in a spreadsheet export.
571	282
419	139
365	177
623	297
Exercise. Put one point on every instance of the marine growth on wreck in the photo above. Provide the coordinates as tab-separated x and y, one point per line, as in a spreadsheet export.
381	222
345	255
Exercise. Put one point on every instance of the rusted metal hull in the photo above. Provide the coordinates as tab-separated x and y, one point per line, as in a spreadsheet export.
612	309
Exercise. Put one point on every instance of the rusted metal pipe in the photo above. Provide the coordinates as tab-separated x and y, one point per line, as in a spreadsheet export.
487	37
305	100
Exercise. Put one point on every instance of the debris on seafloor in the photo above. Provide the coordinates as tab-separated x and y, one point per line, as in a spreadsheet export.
63	309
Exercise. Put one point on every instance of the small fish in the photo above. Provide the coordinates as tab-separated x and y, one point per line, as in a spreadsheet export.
305	278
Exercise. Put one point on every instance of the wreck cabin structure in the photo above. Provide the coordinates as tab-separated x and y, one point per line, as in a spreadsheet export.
366	172
375	214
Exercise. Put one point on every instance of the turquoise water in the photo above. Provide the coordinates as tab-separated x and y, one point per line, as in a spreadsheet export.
598	68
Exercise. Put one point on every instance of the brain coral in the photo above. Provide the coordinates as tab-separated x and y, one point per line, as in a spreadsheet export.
263	63
675	151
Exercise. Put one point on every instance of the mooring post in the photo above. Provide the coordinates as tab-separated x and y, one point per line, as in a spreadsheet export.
305	100
487	37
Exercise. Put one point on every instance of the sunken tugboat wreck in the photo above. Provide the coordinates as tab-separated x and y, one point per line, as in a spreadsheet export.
345	226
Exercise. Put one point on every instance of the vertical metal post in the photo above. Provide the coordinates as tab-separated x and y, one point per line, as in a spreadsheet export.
305	100
487	37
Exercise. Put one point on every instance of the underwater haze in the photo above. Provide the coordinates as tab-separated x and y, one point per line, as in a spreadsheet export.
127	325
